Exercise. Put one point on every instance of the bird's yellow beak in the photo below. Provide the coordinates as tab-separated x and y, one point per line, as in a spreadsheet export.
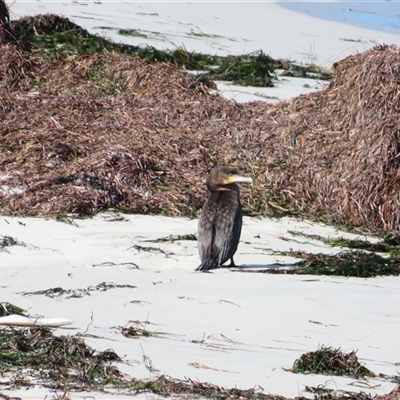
239	178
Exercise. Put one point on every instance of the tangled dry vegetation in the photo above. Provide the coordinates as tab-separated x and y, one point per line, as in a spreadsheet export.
339	148
91	132
331	361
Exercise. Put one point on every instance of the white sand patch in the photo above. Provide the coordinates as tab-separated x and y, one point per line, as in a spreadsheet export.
231	328
226	28
284	88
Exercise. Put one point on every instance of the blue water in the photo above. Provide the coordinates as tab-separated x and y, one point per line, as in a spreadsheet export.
378	15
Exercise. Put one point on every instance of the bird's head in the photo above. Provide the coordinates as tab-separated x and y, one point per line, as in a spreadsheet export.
222	178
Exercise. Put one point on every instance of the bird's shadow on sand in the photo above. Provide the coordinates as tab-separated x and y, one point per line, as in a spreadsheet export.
254	267
261	267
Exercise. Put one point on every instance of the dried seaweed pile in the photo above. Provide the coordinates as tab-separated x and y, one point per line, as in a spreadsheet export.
336	152
331	361
109	131
89	133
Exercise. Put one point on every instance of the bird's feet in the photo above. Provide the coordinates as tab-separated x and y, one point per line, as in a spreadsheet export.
206	265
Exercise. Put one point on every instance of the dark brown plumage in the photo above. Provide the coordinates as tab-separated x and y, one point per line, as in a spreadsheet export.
220	222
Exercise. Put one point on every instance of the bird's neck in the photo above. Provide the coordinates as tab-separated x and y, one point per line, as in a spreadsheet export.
232	187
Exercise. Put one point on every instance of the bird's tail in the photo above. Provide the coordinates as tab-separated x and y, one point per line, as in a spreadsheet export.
207	264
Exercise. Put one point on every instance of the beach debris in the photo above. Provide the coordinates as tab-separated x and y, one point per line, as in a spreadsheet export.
389	244
365	259
202	366
7	308
173	238
148	363
78	293
65	361
331	361
151	249
20	320
137	329
140	302
112	264
256	69
11	315
356	263
230	302
320	389
7	241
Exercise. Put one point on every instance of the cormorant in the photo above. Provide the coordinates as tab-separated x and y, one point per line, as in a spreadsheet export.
220	222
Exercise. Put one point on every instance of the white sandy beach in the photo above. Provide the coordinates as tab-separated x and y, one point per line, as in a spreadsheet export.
253	325
233	328
225	28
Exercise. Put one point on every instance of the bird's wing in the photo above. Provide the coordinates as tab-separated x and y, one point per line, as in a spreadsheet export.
228	225
206	229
